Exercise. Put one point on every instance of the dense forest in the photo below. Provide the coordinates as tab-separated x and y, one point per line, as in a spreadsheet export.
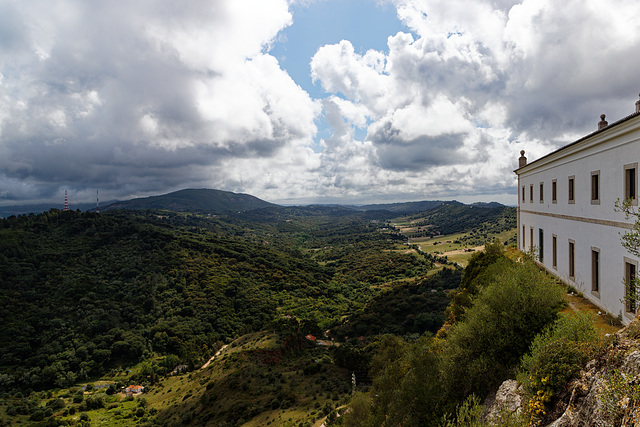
89	296
84	293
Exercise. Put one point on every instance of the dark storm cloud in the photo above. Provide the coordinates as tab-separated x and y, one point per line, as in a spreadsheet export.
138	97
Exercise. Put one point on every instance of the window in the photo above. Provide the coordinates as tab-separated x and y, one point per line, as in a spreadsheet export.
524	245
572	266
541	244
630	268
523	194
595	271
554	251
531	193
595	188
554	191
541	192
572	189
631	182
531	241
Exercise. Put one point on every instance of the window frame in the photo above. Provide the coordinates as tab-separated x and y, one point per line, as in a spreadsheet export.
531	193
572	259
542	192
630	307
554	191
554	251
541	245
571	189
531	238
631	184
595	187
595	271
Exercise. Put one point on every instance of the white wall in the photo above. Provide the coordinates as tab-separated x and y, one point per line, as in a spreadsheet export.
589	225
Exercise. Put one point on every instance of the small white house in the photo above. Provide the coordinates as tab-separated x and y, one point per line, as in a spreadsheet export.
566	212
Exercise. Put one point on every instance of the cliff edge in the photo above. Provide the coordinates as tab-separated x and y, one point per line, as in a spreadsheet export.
607	392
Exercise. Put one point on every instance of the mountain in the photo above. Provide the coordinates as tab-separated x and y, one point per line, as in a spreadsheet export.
489	205
196	200
406	207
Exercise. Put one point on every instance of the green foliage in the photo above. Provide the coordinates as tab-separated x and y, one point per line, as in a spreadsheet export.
407	308
454	217
415	384
470	414
620	396
122	286
480	352
556	356
476	276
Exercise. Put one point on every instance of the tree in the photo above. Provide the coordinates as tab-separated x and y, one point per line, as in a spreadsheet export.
631	242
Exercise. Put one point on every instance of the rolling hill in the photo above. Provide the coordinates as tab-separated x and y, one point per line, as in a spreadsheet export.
195	200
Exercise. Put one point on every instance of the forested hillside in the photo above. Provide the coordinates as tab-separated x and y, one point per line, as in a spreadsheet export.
84	293
195	200
129	295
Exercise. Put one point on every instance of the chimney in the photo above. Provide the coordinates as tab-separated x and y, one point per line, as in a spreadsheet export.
638	106
522	161
603	123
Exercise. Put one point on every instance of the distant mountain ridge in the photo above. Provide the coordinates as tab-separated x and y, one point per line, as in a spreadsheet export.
219	201
195	200
424	205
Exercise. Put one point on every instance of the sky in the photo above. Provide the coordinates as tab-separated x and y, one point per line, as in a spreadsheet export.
303	101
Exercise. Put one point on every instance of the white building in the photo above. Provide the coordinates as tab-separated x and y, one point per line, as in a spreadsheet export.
566	212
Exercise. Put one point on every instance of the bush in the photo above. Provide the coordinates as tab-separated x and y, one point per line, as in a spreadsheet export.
56	404
94	402
37	416
557	355
499	328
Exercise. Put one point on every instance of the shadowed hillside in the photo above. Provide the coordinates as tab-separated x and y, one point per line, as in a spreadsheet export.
195	200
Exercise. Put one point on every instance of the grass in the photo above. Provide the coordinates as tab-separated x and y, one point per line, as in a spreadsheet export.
604	323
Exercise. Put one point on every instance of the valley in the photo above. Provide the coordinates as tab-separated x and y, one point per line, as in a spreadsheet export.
295	300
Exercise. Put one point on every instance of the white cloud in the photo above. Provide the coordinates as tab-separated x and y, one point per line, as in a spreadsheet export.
174	89
153	96
478	81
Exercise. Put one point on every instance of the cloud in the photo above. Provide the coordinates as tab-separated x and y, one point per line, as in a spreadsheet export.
142	97
145	97
451	104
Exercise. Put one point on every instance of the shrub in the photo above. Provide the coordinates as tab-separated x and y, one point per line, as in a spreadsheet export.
516	305
94	402
37	416
556	356
56	404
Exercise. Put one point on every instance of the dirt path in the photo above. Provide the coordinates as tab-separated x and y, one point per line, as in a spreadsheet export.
214	356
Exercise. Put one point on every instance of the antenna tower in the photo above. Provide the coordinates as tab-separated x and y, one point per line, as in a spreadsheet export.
66	201
97	202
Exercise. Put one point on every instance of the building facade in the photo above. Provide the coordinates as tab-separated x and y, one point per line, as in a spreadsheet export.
567	215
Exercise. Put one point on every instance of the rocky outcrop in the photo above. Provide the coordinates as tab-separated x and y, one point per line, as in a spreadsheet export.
606	394
508	399
608	391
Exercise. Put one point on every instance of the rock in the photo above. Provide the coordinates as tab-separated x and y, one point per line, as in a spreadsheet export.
606	393
508	399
